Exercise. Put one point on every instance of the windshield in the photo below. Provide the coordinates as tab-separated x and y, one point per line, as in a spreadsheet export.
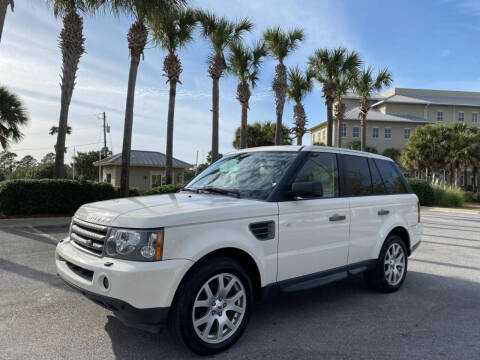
251	175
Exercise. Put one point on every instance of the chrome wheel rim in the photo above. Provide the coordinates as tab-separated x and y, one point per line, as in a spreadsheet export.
219	308
394	264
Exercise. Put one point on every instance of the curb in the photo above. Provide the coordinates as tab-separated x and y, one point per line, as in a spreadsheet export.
27	222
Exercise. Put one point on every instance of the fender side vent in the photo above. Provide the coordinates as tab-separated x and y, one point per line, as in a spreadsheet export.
263	230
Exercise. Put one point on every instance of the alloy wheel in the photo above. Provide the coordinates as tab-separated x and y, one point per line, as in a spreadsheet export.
394	266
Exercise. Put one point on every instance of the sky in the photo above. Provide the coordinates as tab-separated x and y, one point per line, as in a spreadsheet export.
426	44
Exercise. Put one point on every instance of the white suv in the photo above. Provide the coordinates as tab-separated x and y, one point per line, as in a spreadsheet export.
256	222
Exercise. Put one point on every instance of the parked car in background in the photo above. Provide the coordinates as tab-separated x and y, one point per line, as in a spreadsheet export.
257	222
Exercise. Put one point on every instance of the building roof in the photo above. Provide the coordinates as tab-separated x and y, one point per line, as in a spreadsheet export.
434	97
354	96
143	158
375	115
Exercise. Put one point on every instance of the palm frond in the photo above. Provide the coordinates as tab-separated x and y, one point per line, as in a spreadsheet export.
245	62
280	43
13	116
299	84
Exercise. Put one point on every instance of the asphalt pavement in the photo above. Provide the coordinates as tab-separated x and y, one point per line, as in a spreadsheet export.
436	315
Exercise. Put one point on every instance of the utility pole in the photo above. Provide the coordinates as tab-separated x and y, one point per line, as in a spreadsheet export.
196	165
104	130
73	164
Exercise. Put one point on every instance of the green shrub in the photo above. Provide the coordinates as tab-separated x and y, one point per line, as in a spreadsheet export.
424	191
449	196
133	191
164	189
28	197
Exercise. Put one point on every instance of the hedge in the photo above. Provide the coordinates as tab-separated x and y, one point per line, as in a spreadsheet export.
449	196
164	189
51	196
424	191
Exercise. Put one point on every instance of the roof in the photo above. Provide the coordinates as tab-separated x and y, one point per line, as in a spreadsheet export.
354	96
297	148
375	115
434	97
143	158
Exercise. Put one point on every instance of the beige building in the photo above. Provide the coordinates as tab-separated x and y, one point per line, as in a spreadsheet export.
395	114
147	169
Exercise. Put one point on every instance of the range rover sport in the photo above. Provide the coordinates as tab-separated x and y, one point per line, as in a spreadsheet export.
256	222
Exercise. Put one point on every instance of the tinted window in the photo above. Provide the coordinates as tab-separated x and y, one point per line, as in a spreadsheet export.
357	175
321	167
377	182
391	177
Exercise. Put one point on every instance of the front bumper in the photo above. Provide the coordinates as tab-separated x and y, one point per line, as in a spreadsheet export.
137	292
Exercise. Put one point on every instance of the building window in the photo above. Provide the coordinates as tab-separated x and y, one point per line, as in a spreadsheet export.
156	180
356	132
439	115
475	117
344	130
388	133
406	133
109	178
461	116
375	132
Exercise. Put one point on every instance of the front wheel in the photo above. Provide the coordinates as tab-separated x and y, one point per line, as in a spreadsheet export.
391	268
213	306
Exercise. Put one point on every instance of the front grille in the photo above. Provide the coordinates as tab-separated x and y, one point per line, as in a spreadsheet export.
88	237
84	273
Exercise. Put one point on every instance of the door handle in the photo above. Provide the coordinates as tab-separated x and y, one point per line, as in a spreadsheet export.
337	217
383	212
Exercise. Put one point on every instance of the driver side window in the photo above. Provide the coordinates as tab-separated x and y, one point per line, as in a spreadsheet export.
321	167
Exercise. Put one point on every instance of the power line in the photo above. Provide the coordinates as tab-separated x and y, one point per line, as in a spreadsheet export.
51	147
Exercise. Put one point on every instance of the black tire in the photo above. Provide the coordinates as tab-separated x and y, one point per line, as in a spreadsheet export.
376	278
181	322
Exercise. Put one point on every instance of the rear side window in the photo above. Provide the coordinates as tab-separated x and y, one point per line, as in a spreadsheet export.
356	175
377	182
321	167
391	177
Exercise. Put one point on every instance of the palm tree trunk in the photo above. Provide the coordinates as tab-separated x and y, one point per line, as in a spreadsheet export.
215	111
3	14
171	112
127	129
465	174
243	126
339	139
71	43
457	175
329	121
280	90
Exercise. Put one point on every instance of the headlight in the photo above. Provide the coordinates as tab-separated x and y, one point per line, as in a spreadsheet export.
139	245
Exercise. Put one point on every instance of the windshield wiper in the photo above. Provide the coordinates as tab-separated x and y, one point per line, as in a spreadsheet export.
221	191
191	190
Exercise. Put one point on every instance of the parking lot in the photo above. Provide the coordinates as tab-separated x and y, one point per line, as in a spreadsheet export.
436	315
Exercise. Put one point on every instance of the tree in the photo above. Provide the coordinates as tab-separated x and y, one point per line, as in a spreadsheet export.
172	30
392	153
355	145
339	108
27	161
245	64
3	13
137	40
299	85
364	84
259	134
329	66
54	130
221	33
72	46
12	117
84	165
7	162
49	158
279	45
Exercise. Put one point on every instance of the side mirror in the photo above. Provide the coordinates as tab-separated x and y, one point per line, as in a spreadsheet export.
307	189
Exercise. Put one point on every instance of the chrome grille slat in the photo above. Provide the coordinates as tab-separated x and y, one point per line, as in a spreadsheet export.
88	237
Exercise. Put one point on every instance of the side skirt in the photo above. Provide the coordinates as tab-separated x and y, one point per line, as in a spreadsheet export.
318	279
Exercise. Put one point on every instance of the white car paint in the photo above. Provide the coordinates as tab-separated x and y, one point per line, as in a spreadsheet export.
305	241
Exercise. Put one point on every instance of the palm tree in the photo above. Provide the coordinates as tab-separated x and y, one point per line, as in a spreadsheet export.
54	130
3	12
72	46
299	85
339	107
12	117
365	83
137	40
172	31
245	64
329	66
221	33
280	44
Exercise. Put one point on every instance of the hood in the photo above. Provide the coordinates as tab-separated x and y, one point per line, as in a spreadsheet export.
172	210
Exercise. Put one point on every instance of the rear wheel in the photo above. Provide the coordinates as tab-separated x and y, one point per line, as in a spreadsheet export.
213	306
391	268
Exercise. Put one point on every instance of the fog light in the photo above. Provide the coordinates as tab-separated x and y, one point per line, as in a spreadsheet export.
106	284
